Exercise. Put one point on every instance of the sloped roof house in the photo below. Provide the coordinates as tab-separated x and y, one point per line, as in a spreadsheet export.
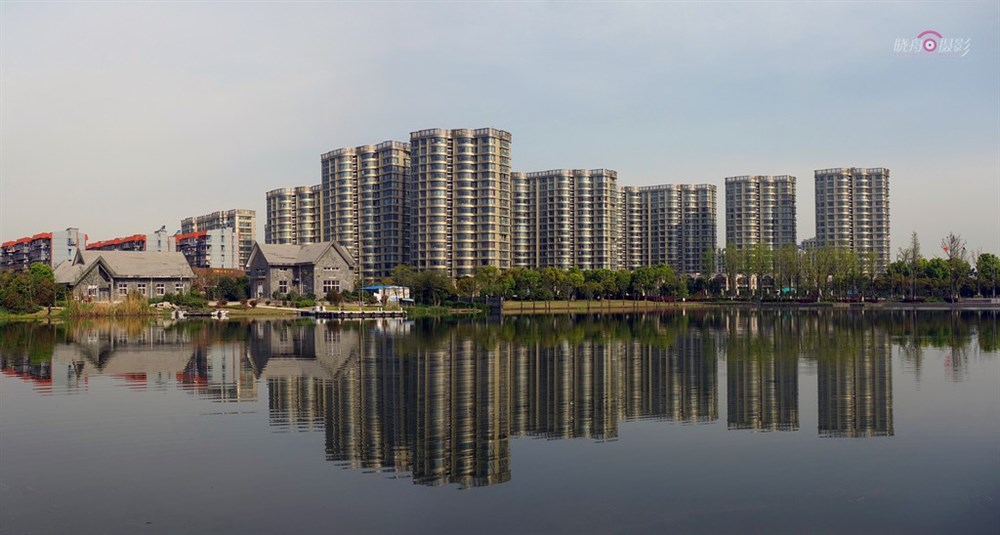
316	269
112	275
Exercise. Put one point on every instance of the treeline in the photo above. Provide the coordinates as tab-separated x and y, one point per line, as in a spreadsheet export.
842	273
545	284
758	272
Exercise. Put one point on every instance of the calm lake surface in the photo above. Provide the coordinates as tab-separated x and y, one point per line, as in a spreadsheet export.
722	420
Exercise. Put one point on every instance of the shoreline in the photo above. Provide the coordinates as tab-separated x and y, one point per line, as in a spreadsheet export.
518	308
529	308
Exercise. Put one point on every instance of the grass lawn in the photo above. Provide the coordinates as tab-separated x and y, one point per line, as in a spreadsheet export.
41	315
239	311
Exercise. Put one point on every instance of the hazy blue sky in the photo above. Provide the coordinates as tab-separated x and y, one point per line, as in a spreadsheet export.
118	118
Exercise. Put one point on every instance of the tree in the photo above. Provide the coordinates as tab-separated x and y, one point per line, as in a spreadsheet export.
761	262
490	281
26	291
733	260
468	287
334	297
527	285
15	293
590	289
623	280
987	267
233	288
643	281
953	246
664	279
708	257
682	290
553	281
869	266
954	249
433	287
604	279
42	284
572	282
910	256
403	275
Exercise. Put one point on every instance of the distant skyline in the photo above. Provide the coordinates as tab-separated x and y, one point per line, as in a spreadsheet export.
119	118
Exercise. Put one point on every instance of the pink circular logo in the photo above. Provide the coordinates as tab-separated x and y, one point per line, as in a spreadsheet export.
929	44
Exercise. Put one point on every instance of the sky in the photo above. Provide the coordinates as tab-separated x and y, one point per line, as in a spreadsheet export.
119	118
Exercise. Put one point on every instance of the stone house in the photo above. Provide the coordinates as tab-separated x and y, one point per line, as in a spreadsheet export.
305	269
112	275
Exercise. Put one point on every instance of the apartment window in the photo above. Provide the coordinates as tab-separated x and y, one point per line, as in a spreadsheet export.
283	287
122	288
141	288
161	288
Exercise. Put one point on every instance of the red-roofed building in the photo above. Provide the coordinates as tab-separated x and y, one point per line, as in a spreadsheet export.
49	248
158	241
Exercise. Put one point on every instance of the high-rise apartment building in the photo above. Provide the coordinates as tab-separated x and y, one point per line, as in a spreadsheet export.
567	218
760	209
243	221
629	228
671	224
293	216
852	210
218	248
363	204
460	200
522	231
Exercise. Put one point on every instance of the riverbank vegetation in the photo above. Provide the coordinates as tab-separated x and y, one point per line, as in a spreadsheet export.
134	305
28	291
759	273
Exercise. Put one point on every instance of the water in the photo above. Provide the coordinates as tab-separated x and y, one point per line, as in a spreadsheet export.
710	421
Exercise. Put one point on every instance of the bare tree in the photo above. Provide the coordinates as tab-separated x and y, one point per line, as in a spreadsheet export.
954	247
910	256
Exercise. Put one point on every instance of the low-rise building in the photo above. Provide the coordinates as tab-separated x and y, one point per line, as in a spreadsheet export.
304	269
113	275
158	241
50	248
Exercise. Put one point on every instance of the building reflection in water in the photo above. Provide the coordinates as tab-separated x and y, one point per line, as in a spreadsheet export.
855	385
762	371
143	355
443	406
441	403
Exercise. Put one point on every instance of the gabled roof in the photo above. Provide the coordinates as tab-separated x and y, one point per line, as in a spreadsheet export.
144	263
290	255
125	264
67	272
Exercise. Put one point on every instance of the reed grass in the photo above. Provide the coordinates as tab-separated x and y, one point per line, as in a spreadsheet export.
134	305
